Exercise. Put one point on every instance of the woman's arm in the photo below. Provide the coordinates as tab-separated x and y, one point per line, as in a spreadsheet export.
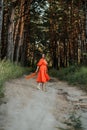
37	69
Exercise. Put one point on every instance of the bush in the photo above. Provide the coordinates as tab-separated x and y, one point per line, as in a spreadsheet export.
53	72
9	70
73	74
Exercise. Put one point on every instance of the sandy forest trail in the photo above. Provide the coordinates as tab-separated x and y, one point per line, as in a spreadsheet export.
27	108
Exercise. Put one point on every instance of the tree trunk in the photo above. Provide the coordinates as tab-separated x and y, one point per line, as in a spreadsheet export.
86	18
1	19
21	32
10	49
24	59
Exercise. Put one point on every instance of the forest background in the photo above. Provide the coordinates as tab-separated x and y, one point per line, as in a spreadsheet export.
57	28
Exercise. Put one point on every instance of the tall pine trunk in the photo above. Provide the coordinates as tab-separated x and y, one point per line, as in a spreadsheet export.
10	48
21	32
1	19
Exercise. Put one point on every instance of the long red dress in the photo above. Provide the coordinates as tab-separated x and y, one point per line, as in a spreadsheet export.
42	73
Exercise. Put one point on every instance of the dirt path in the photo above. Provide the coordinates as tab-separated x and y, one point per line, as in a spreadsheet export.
27	108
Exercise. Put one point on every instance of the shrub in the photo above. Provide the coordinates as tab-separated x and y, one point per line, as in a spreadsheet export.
8	71
73	74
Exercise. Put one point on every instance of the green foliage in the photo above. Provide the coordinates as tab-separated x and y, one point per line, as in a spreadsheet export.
8	71
78	77
63	72
73	74
53	72
73	122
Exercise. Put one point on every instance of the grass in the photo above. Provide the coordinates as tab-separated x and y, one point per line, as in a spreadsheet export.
73	122
73	75
8	71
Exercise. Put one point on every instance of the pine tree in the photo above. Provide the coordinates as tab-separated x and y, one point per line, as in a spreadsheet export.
1	19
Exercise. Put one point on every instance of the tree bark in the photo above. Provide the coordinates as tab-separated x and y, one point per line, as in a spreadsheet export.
10	48
1	19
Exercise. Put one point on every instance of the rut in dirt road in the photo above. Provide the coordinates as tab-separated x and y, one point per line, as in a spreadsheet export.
27	108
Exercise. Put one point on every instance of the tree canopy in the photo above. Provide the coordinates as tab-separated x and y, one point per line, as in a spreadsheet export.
31	27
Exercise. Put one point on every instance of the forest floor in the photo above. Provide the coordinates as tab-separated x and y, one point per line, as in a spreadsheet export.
24	107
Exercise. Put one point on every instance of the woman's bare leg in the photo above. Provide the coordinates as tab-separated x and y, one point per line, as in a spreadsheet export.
39	84
44	87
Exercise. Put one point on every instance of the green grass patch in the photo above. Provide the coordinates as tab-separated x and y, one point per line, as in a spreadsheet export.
74	75
73	122
8	71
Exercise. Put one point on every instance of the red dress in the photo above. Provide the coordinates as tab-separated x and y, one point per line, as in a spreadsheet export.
42	73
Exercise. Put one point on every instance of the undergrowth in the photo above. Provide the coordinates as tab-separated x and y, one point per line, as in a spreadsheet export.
73	75
8	71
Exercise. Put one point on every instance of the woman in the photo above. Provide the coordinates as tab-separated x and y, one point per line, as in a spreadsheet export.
42	77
